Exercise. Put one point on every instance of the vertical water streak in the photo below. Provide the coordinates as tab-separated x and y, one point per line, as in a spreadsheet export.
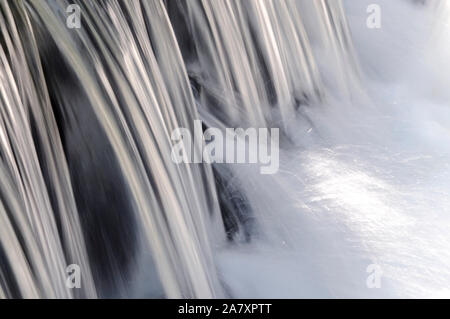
138	117
327	25
26	66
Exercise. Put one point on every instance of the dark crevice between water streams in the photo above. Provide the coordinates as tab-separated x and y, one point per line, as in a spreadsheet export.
107	222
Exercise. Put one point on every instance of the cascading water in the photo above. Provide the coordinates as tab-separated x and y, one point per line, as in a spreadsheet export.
87	178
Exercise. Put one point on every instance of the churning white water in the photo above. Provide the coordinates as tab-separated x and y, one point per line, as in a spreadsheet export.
368	182
86	175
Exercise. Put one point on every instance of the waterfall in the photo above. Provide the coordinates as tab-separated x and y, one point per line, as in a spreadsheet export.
86	117
122	88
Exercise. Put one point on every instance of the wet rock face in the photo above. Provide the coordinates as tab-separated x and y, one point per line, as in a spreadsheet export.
235	208
103	205
236	212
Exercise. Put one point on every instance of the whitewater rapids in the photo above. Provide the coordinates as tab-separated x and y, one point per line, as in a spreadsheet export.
369	183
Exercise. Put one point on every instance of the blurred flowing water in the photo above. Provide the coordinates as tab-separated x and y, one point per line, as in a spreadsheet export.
86	117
